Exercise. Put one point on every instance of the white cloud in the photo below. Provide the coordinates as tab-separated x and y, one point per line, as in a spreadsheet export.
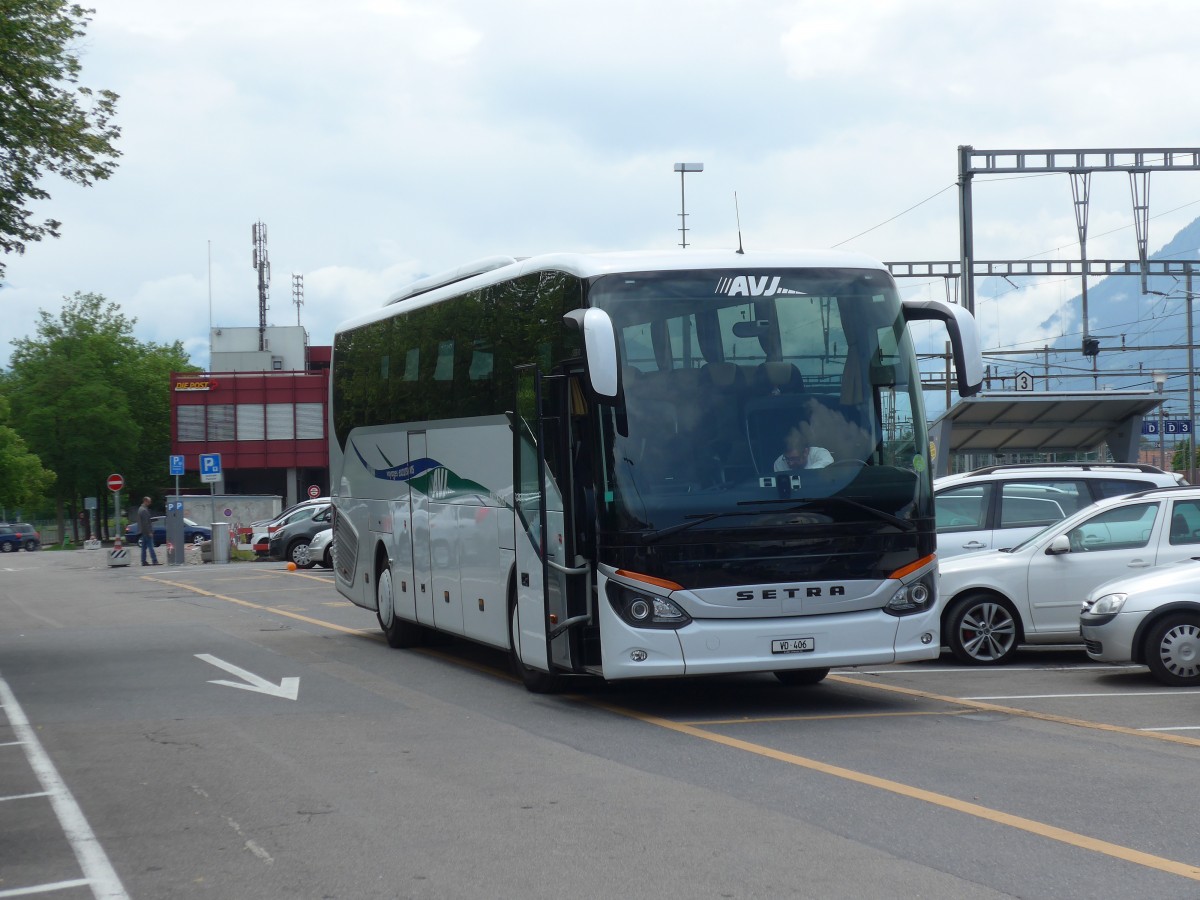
385	139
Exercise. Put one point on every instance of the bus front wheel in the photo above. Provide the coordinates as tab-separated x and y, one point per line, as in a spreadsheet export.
398	632
535	680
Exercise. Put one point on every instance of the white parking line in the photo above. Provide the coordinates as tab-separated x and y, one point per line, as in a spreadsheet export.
98	871
44	888
24	796
1090	694
1174	728
978	670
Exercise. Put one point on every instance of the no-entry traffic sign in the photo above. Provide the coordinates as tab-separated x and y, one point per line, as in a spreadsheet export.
115	482
314	491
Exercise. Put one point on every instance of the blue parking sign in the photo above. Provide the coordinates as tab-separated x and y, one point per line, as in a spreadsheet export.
176	465
210	467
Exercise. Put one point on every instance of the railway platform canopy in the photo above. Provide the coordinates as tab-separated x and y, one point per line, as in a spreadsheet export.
1042	422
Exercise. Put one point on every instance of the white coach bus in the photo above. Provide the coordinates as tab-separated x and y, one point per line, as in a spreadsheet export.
574	458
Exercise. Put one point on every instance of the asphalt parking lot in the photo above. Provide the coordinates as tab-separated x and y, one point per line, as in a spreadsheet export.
241	730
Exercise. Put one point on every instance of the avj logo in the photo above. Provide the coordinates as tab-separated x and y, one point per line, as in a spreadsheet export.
750	286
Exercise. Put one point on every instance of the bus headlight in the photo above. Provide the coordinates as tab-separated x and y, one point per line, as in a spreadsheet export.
912	598
644	610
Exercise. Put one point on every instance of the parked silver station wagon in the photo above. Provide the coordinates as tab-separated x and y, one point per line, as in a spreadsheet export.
1000	506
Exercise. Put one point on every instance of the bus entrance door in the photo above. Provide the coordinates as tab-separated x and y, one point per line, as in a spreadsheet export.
550	578
422	570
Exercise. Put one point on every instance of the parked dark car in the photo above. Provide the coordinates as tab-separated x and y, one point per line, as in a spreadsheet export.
261	532
17	536
290	543
193	532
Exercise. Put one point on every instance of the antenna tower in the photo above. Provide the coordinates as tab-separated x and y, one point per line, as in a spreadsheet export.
263	265
298	294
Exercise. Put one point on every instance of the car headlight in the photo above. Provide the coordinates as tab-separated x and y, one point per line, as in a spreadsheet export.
1108	605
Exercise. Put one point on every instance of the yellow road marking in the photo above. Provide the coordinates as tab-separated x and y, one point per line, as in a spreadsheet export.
358	632
1013	711
754	720
1041	829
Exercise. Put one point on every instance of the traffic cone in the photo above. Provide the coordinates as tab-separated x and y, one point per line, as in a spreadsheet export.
117	544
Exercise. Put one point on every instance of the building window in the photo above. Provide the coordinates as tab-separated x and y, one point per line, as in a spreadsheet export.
250	422
281	423
220	422
190	423
310	421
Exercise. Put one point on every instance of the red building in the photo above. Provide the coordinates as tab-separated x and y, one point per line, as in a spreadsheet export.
270	427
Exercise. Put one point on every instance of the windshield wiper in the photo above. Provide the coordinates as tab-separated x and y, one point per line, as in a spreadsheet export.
695	520
902	524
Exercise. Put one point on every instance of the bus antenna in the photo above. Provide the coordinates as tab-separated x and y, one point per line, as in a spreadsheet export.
738	214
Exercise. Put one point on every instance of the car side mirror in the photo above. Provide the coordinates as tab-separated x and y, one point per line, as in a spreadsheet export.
1061	544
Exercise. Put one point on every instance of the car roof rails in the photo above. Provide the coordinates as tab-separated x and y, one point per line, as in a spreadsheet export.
1166	488
1087	467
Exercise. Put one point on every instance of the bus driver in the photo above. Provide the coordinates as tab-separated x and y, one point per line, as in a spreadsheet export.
800	454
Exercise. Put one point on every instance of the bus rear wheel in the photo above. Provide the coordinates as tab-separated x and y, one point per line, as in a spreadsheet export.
535	680
397	631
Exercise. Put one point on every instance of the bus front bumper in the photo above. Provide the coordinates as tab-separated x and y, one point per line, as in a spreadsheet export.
716	646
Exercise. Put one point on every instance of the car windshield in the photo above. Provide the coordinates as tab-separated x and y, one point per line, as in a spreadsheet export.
1063	525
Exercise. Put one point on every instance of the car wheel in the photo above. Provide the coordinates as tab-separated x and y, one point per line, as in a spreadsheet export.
31	545
7	547
981	630
398	632
297	552
1172	650
535	680
799	677
199	539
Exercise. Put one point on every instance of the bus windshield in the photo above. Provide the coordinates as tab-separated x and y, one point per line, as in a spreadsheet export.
787	394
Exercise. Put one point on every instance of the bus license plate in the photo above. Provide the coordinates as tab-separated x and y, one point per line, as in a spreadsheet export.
794	645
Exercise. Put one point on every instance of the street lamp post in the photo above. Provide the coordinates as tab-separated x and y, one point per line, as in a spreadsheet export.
1191	466
683	169
1160	379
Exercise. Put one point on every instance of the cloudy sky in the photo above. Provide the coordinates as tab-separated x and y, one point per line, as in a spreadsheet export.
383	140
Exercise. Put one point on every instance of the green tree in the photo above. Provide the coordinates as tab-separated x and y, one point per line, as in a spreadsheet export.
90	399
23	481
49	124
1179	460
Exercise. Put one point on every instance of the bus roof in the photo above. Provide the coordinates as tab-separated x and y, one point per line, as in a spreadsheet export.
495	269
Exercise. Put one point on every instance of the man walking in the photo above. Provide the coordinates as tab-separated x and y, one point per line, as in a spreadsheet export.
146	532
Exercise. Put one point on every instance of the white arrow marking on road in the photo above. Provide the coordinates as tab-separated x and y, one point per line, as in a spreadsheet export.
288	688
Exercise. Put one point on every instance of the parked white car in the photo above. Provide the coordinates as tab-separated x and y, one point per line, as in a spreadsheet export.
995	600
1000	506
320	548
1152	619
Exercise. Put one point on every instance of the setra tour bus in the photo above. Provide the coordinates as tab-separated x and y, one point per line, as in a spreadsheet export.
596	463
